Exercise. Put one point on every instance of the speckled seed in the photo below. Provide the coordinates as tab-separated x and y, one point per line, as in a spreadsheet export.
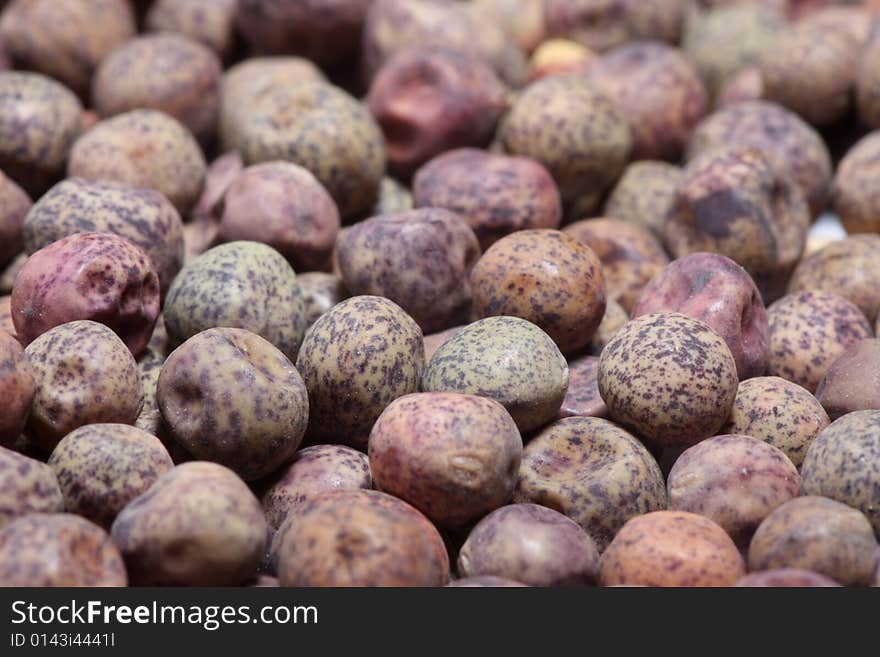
432	99
849	267
852	383
592	471
394	197
868	85
669	377
361	538
211	22
282	205
484	581
716	290
536	545
792	145
614	320
659	92
244	285
96	276
17	388
732	201
394	25
167	72
817	534
361	355
58	549
39	121
143	148
321	291
727	38
778	412
247	81
315	470
454	457
496	194
855	199
507	359
197	525
734	480
85	375
102	467
630	256
229	396
323	129
644	194
547	277
582	399
436	251
786	578
843	464
808	331
671	548
26	486
150	418
68	40
564	123
142	216
812	70
14	207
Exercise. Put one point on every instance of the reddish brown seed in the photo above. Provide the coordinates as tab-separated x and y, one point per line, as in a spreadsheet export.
537	545
716	290
17	388
282	205
197	525
58	549
734	480
786	578
496	194
454	457
14	207
430	277
361	538
582	398
671	548
546	277
95	276
428	100
314	470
